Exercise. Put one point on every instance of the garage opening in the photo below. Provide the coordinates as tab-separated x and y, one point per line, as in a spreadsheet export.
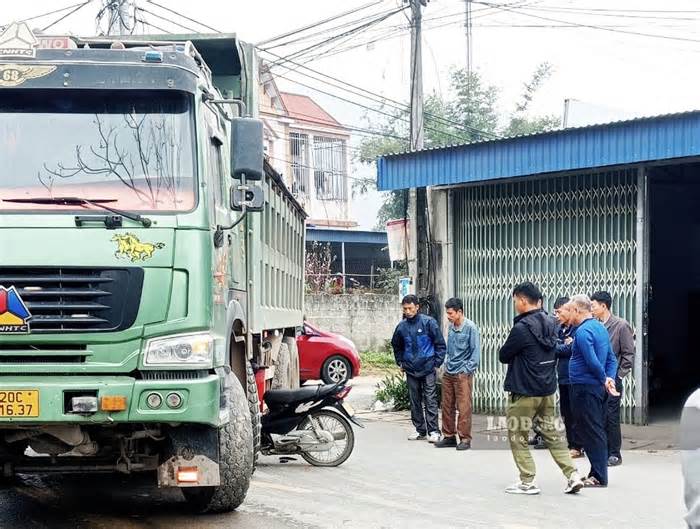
674	293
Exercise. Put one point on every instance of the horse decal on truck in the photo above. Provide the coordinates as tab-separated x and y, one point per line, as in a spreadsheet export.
130	247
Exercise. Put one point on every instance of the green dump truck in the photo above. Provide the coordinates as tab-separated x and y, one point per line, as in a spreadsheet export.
151	261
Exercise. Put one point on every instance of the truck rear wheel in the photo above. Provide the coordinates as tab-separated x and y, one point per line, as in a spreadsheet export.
235	458
255	415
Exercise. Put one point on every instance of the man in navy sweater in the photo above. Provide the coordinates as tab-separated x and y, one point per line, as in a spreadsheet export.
592	371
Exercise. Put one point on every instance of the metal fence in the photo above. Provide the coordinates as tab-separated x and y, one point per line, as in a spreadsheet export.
569	234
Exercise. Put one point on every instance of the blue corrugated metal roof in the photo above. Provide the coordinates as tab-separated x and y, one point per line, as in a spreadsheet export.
349	236
623	142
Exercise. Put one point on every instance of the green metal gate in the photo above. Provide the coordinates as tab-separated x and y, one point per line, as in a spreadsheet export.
568	234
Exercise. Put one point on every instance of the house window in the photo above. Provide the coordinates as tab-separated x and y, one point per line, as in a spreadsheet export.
300	163
330	168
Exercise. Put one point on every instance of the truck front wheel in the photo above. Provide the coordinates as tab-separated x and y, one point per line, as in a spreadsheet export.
235	458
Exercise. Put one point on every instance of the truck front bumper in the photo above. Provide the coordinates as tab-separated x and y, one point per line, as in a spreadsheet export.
199	399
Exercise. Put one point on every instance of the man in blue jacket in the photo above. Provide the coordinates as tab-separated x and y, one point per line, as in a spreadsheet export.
419	349
592	371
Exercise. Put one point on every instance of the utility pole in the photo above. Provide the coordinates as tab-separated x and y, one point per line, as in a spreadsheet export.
119	17
416	133
468	33
416	74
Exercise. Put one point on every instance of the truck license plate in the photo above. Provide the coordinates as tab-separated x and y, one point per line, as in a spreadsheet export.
20	403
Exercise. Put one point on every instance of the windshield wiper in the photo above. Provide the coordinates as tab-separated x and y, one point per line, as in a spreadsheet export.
77	201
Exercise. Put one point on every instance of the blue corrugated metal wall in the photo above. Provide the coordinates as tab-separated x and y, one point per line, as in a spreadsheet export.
640	140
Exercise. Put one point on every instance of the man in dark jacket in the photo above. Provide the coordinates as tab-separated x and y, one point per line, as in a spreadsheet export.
419	349
562	312
622	342
531	380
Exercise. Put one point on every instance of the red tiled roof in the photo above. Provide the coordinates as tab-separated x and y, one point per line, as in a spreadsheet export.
303	108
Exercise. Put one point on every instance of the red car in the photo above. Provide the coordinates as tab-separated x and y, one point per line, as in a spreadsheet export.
326	355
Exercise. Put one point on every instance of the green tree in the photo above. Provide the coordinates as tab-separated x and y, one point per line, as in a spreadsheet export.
469	113
520	123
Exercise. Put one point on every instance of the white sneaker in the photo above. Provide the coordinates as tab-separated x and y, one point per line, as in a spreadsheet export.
434	437
523	488
574	484
415	436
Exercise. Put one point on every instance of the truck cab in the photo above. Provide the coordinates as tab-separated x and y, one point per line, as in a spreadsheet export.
151	278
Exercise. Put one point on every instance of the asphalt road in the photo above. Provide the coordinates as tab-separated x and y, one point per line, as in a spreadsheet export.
388	482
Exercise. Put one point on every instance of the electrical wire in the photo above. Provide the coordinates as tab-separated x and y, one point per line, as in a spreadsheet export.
75	10
149	24
35	17
590	26
316	24
165	19
446	133
378	98
183	16
299	53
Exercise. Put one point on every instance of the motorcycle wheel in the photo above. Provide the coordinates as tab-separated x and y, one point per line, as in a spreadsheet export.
343	434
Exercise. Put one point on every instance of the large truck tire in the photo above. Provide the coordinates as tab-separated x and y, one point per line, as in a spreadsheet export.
294	382
235	458
281	378
255	415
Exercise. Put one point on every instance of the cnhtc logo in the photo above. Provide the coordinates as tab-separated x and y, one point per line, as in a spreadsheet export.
14	315
18	41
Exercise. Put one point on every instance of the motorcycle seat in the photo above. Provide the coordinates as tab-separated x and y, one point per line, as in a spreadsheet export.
288	396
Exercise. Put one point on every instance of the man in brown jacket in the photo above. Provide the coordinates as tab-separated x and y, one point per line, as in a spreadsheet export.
622	341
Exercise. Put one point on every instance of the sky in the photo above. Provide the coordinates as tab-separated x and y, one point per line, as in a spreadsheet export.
617	58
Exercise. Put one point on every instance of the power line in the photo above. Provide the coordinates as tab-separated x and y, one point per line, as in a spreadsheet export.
79	7
286	161
325	31
590	26
146	23
316	24
183	16
165	19
378	98
377	20
446	133
51	12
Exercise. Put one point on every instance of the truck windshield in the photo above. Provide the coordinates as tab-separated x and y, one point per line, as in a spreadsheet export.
136	147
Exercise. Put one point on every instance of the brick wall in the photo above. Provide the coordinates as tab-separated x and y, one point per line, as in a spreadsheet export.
367	319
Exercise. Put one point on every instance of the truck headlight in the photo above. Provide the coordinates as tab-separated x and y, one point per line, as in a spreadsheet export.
188	350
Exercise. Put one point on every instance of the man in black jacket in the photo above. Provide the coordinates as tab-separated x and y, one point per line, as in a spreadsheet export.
531	380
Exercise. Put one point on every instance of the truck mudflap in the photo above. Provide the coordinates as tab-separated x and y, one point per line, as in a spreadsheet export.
191	471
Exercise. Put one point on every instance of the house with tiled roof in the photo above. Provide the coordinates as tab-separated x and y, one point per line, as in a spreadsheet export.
309	147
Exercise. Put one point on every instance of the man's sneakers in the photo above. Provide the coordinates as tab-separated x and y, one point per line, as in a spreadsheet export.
464	445
523	488
574	484
614	461
434	438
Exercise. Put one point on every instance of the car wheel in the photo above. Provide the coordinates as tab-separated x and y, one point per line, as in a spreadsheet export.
336	369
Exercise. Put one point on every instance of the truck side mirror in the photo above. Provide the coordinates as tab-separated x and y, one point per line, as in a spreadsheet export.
247	148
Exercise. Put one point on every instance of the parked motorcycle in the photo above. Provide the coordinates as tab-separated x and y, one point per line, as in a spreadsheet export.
312	421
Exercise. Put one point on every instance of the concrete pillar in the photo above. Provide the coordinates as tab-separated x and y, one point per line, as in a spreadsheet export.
439	203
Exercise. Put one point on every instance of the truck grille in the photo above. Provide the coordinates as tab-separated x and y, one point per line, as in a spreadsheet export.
63	300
